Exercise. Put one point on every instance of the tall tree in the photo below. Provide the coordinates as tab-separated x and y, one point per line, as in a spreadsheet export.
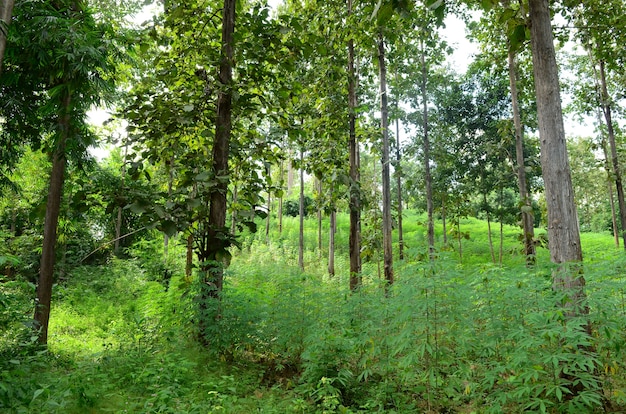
563	231
218	235
353	148
64	55
386	182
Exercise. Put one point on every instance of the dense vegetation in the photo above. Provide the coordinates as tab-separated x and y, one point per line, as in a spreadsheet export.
304	208
451	337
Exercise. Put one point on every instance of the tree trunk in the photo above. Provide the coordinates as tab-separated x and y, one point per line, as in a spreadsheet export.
170	182
218	235
280	201
355	192
491	250
53	207
267	219
331	241
606	108
607	168
301	233
319	218
563	229
6	11
528	225
118	222
399	188
443	220
233	215
458	236
289	174
189	257
426	147
387	250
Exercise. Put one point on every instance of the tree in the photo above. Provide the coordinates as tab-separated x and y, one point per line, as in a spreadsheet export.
6	11
63	54
353	149
386	183
602	32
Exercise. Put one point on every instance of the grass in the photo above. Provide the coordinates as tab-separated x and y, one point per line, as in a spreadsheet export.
469	337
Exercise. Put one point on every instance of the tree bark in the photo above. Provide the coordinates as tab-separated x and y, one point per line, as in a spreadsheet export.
528	225
319	217
6	12
267	219
399	187
443	220
118	222
354	202
384	115
607	168
563	231
491	250
170	183
301	232
189	257
218	235
53	207
563	227
606	109
331	241
280	199
426	147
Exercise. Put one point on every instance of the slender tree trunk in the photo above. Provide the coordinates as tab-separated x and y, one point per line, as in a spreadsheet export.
53	207
443	220
501	240
399	184
607	168
301	238
170	182
606	108
6	12
355	192
233	215
491	250
218	235
189	257
118	222
528	225
267	219
331	241
459	241
280	200
319	217
387	250
289	174
426	148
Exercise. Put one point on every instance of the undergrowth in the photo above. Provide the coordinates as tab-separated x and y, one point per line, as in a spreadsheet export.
451	336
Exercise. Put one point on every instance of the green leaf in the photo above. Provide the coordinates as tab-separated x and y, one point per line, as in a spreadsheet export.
37	393
517	36
138	207
486	4
169	227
